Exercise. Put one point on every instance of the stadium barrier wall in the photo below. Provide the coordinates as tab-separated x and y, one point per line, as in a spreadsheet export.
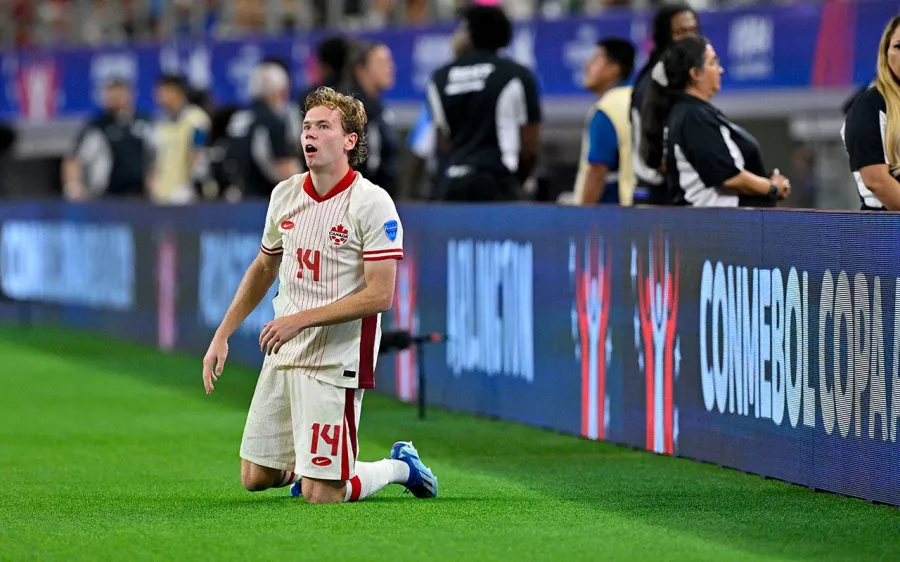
805	45
766	341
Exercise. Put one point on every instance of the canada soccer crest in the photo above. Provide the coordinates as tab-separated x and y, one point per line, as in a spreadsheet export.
339	235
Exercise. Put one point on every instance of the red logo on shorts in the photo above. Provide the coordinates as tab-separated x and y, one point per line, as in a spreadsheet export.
287	225
339	235
321	461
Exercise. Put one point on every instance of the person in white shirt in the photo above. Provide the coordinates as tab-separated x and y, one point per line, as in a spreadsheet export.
332	239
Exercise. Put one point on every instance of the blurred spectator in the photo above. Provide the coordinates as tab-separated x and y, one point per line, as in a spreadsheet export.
292	110
222	166
845	107
423	144
204	179
23	21
374	14
709	161
369	72
416	12
259	156
8	137
110	156
871	130
331	58
104	24
421	170
249	17
487	112
180	138
803	172
670	24
605	169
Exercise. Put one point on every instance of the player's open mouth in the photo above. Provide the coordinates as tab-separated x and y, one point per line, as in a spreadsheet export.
309	149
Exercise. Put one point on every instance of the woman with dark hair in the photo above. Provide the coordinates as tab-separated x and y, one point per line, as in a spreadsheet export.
871	132
671	23
369	71
707	160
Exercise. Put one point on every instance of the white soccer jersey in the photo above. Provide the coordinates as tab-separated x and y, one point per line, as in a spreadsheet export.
324	242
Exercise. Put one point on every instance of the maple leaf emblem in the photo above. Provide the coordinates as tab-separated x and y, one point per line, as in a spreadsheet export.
339	234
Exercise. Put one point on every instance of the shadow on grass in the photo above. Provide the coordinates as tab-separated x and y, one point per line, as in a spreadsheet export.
744	511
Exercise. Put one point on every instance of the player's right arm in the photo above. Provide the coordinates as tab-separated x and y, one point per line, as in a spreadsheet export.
253	288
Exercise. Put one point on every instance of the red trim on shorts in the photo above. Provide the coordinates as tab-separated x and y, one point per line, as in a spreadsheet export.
345	460
350	416
367	352
355	488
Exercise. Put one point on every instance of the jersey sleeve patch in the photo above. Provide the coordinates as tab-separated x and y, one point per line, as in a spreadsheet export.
390	229
382	231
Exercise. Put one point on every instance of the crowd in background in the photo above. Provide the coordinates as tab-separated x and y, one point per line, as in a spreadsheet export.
94	22
192	149
652	136
477	140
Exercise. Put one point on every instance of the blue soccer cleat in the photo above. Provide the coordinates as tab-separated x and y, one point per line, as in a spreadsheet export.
422	482
296	489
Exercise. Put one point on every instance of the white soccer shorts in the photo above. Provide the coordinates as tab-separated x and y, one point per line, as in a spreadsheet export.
300	424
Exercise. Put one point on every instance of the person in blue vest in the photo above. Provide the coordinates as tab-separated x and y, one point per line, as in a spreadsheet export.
605	171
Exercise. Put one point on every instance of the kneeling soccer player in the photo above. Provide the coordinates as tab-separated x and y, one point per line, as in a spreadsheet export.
332	238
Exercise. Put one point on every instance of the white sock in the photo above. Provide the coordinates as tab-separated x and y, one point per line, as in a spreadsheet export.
287	478
373	476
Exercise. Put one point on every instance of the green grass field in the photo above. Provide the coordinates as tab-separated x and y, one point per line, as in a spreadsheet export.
110	451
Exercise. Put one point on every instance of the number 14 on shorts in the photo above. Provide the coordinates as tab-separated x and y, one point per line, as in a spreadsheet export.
329	435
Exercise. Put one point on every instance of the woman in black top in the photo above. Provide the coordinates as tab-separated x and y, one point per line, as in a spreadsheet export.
709	161
871	131
671	23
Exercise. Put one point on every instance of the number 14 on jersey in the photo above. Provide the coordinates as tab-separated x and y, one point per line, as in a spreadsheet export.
309	260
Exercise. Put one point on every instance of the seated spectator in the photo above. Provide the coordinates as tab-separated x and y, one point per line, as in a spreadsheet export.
707	160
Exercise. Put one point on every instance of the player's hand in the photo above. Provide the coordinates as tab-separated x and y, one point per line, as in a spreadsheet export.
213	362
278	332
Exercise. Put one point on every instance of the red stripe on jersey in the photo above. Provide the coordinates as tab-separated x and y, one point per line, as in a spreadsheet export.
376	252
271	251
340	186
394	256
367	352
355	488
350	414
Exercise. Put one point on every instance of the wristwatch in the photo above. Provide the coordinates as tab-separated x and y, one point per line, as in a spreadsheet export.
773	192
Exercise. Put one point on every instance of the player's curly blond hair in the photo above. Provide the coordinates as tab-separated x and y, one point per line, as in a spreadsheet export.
353	118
